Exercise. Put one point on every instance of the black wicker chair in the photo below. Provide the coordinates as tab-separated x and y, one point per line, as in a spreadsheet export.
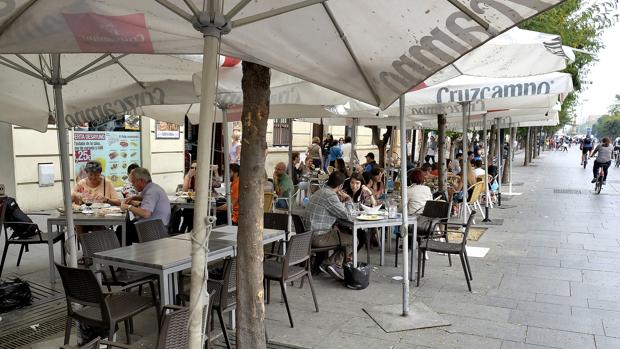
99	309
225	298
448	248
151	230
294	265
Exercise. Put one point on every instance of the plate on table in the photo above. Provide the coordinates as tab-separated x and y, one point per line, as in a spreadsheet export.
100	205
369	217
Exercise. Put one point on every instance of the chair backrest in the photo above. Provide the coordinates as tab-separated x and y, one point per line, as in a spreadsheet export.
151	230
98	241
81	287
229	285
2	211
297	251
478	188
436	209
278	221
174	331
298	223
207	313
470	220
268	202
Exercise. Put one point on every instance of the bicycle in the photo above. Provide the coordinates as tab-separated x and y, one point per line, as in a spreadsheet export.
598	185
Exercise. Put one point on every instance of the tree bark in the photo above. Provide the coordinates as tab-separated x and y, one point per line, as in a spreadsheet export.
493	143
250	293
527	148
414	134
422	153
381	142
441	148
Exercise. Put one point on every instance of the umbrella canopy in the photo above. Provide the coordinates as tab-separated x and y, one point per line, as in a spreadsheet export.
372	51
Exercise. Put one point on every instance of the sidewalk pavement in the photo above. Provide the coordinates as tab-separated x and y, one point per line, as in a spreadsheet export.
550	279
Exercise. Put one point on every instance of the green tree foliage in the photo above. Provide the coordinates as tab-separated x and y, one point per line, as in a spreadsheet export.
580	23
609	125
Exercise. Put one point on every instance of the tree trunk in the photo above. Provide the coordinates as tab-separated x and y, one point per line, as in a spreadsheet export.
508	159
492	143
250	293
381	142
452	148
441	156
422	153
532	143
414	133
527	148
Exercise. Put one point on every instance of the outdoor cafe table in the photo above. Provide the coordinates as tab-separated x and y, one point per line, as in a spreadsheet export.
85	219
165	257
380	223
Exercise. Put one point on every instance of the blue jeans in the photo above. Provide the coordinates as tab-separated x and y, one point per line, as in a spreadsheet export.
598	165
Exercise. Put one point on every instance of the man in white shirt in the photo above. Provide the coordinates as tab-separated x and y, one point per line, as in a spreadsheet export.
346	150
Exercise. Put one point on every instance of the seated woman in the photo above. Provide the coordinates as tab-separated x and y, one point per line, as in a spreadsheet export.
455	192
418	193
435	170
128	189
342	167
375	182
355	188
94	188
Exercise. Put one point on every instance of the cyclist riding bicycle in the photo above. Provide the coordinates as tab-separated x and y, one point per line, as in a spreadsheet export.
603	159
616	146
586	146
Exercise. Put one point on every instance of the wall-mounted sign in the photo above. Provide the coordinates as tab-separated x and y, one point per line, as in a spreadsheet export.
113	150
167	130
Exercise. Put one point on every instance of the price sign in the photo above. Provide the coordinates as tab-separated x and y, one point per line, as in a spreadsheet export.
82	155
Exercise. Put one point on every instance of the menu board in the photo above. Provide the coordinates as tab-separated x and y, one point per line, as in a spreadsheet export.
114	150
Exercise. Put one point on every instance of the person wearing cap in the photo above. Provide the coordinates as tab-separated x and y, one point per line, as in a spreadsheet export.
370	162
95	188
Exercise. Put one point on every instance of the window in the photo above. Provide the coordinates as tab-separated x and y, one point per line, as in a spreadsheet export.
281	133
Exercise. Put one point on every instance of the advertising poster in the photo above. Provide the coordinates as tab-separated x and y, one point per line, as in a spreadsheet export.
113	150
167	130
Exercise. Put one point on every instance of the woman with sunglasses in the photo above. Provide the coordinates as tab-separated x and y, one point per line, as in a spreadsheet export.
94	188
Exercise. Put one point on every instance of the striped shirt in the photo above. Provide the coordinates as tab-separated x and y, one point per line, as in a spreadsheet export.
323	210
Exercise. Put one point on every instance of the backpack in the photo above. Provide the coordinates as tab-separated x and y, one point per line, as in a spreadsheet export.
587	142
21	225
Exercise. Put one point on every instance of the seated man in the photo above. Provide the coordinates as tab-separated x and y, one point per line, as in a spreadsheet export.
152	203
324	208
283	185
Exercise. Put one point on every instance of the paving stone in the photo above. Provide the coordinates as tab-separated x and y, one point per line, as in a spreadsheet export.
443	339
553	273
586	265
516	345
536	285
486	328
603	342
557	322
477	311
572	301
560	339
601	278
607	305
544	307
602	292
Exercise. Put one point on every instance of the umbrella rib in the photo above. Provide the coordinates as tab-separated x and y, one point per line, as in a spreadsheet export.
32	66
347	44
236	9
128	72
177	10
10	64
47	97
100	66
79	71
470	13
192	7
272	13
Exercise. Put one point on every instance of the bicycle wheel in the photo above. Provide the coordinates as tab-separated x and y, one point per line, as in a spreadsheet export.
599	185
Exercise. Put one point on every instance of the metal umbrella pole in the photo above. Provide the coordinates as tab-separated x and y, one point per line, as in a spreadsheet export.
466	107
486	170
405	216
227	165
291	168
57	82
500	155
510	152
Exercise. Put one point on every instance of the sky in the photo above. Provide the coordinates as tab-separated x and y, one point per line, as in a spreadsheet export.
605	78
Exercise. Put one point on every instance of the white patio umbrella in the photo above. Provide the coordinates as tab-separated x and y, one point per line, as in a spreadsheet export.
408	43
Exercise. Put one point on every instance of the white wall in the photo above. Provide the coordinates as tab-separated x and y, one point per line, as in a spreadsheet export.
165	157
